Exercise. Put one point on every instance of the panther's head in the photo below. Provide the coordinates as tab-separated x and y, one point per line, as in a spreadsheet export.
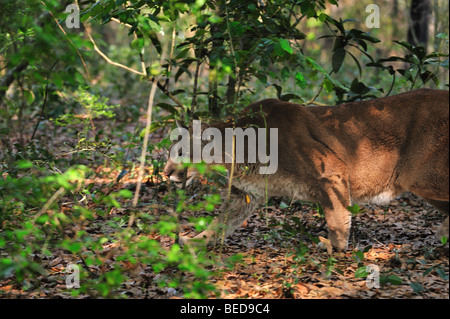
174	169
175	173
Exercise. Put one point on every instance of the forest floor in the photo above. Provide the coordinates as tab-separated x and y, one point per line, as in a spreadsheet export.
399	240
279	256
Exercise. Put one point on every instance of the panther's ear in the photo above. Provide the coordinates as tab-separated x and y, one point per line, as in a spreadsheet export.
205	126
179	124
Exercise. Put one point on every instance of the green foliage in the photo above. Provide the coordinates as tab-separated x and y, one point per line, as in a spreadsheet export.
219	37
92	107
390	279
209	58
421	68
26	233
42	59
358	256
355	209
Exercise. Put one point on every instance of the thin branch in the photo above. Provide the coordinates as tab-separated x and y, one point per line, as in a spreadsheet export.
107	59
70	41
122	23
10	77
45	100
167	93
47	205
104	56
298	21
194	91
392	85
141	54
143	73
316	96
145	144
172	48
230	183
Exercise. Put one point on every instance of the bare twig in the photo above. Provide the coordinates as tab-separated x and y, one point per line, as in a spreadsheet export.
316	96
47	205
145	143
142	73
122	23
70	41
104	56
10	76
167	93
194	91
230	183
45	100
172	48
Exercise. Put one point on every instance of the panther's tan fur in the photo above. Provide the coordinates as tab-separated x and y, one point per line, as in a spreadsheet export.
368	151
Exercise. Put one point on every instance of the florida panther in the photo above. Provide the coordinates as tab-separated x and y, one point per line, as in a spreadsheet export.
367	151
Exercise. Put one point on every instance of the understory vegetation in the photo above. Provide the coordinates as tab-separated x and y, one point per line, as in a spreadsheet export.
89	91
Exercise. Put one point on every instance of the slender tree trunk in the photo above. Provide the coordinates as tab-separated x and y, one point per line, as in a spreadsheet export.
217	44
231	90
419	21
394	17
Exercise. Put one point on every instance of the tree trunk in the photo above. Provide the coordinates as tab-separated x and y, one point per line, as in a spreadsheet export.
394	17
217	44
419	20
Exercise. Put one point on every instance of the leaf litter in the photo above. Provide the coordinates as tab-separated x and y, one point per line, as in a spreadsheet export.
281	254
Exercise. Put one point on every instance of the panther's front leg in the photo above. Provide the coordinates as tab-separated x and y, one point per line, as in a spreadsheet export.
335	201
235	210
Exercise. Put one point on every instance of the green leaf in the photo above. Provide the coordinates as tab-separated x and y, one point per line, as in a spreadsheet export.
358	35
392	279
153	127
361	272
428	75
125	193
322	17
42	219
138	44
290	96
330	265
285	45
29	96
219	168
367	248
121	175
155	41
355	209
300	80
313	64
285	73
359	87
283	205
357	63
338	59
174	253
328	85
441	272
24	164
404	44
358	256
416	287
278	88
74	247
168	107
